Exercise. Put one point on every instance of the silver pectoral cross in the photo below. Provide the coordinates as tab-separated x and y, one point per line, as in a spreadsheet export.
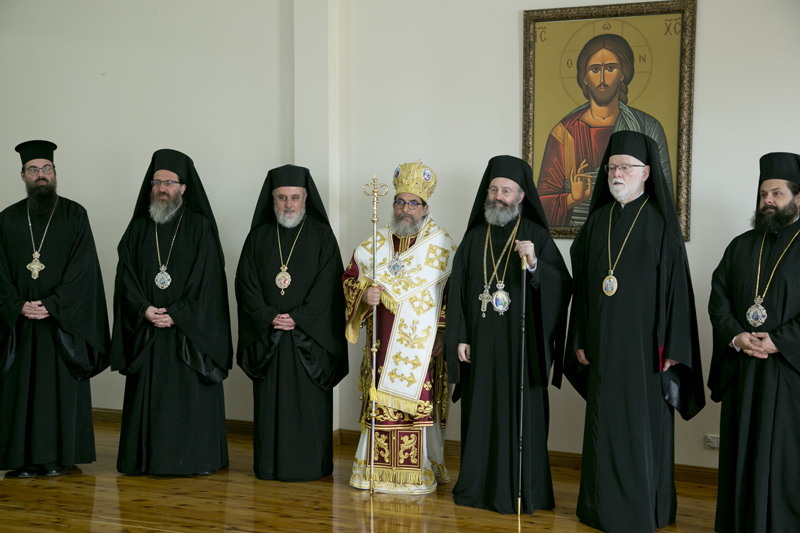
35	266
485	298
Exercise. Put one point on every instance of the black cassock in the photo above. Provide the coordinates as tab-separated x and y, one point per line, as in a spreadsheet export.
173	419
489	385
627	478
760	423
293	372
45	399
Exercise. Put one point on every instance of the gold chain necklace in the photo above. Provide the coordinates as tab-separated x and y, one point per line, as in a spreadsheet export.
163	279
284	279
610	283
756	314
37	266
501	300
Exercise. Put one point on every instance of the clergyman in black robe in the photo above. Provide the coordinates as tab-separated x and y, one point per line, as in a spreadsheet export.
291	329
484	341
755	369
171	336
632	348
53	325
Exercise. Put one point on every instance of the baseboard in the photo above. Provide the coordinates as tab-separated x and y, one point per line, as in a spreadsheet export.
565	460
349	437
686	473
106	416
239	427
114	416
697	474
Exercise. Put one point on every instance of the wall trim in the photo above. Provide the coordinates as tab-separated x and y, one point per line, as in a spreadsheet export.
684	473
349	437
233	427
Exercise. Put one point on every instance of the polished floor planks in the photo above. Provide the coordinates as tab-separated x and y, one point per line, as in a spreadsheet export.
95	498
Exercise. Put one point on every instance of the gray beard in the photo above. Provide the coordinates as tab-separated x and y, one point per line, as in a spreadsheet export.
498	215
402	229
290	221
162	212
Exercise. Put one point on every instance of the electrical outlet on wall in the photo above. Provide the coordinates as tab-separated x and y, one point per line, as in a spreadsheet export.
712	441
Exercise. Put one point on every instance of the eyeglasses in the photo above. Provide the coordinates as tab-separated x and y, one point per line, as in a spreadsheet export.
168	183
624	168
412	205
34	171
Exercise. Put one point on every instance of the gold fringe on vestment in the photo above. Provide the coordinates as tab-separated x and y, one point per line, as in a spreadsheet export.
398	476
389	302
390	400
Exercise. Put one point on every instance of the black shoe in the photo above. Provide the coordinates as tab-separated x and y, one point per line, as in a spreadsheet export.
26	472
57	471
206	473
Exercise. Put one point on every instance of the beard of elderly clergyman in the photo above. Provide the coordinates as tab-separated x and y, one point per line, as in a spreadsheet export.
500	213
290	218
164	205
405	225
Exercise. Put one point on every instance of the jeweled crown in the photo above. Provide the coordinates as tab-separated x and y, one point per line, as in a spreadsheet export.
414	178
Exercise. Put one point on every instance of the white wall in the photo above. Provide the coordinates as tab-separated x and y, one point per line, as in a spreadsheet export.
352	88
442	81
110	82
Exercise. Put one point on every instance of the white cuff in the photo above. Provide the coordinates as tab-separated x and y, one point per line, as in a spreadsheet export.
732	344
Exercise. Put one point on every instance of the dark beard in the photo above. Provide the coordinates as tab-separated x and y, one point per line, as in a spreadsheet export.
42	198
162	212
500	215
604	100
771	221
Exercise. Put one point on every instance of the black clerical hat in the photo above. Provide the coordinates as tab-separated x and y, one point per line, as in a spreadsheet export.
36	150
288	176
629	143
658	186
195	197
518	171
174	161
780	166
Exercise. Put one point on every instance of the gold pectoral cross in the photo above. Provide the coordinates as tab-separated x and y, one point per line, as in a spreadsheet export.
485	298
35	266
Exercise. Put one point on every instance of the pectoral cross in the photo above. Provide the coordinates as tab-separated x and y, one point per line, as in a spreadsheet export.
485	298
35	266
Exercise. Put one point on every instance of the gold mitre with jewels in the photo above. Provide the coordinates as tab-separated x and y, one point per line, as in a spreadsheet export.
414	178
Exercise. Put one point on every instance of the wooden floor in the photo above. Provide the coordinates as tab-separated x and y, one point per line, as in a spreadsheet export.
97	498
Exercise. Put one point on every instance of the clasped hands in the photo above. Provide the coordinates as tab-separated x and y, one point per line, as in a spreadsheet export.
34	310
283	322
159	317
756	344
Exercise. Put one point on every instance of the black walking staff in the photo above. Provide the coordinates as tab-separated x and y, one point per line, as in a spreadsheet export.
522	381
